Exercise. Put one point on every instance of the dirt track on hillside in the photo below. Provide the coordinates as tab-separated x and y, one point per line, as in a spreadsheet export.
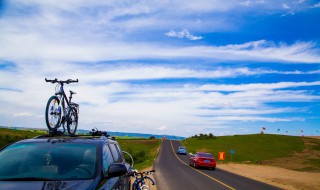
280	177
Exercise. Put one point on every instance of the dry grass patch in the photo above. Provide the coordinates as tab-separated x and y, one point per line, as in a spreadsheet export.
307	160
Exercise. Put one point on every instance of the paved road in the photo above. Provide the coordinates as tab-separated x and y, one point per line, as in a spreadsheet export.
173	172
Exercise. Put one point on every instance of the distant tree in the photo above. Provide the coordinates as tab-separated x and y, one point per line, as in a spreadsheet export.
211	135
152	137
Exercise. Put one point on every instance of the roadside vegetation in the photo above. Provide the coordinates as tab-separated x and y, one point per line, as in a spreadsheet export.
143	151
8	136
290	152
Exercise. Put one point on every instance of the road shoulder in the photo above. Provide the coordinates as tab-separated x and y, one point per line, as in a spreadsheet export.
280	177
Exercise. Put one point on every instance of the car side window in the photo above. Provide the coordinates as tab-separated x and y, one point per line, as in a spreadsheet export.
115	152
107	157
120	152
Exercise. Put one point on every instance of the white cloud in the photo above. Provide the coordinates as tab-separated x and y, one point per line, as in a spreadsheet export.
252	118
285	6
163	128
24	114
183	34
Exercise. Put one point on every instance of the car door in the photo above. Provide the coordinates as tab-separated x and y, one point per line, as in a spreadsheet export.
123	181
192	159
107	160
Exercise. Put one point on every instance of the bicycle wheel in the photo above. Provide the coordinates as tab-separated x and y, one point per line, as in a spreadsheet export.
72	121
53	113
148	182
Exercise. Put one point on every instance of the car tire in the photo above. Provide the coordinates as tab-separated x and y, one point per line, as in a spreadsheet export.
214	168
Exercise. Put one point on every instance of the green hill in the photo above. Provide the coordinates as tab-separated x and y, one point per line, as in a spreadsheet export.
270	149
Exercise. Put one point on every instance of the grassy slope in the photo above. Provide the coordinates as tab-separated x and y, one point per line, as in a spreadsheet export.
248	148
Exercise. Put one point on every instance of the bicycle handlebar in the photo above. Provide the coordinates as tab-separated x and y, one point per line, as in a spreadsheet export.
133	173
61	81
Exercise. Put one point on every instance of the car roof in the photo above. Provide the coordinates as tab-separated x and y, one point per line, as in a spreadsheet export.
182	147
80	140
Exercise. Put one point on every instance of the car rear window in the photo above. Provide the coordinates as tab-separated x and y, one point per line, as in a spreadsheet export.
56	161
208	155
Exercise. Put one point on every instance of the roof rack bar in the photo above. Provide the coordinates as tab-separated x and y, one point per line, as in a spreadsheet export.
94	133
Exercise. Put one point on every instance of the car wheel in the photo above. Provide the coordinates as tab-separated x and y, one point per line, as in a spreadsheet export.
214	168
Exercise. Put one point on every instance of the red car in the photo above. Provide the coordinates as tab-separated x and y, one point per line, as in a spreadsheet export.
202	159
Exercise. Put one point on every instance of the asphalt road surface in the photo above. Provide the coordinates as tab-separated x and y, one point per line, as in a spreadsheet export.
173	172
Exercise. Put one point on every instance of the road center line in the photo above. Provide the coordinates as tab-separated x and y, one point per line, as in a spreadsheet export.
212	178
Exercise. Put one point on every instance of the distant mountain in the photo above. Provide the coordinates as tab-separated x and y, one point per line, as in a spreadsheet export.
138	135
119	134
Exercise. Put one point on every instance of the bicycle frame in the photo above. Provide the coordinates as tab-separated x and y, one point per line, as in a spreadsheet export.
63	97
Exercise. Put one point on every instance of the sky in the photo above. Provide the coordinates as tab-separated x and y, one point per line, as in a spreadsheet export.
165	67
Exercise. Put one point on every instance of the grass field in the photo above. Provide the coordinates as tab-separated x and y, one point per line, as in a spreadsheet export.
144	151
261	149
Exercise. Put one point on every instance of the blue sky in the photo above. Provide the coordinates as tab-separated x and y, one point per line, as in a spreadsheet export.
169	67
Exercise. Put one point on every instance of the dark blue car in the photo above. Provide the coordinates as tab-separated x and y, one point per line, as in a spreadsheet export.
71	163
182	150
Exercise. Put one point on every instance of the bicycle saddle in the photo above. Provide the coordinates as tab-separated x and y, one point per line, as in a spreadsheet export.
71	92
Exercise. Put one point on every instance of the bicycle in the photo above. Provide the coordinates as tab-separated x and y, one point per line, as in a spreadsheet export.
142	182
61	111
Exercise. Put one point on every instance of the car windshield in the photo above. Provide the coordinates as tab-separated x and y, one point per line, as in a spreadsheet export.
52	161
181	147
207	155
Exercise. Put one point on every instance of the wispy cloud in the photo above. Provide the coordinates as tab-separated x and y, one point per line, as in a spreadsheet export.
316	5
259	86
34	48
